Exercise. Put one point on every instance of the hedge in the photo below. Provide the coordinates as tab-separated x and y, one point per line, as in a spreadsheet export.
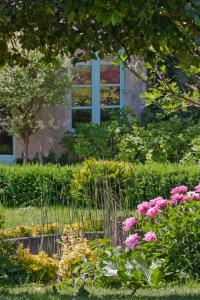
34	184
84	184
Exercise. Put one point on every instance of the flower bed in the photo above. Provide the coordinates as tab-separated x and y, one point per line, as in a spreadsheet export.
167	231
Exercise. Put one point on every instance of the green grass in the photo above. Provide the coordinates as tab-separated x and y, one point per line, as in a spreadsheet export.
51	214
35	292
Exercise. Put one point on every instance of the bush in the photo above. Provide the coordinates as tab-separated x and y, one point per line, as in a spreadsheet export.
91	140
75	251
99	181
92	182
167	231
131	183
37	268
34	184
174	139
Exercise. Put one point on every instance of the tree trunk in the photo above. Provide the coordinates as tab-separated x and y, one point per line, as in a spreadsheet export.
26	146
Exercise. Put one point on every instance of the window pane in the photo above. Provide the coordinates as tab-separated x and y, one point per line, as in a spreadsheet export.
108	114
110	96
82	96
110	74
6	144
81	116
82	74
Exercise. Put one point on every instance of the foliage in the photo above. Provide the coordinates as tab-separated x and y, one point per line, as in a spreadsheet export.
86	184
34	185
37	268
91	140
120	268
167	231
74	252
154	30
25	90
173	139
26	231
95	179
9	273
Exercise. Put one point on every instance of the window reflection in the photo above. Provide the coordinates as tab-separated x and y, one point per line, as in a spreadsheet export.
82	74
81	116
110	74
110	95
82	96
6	143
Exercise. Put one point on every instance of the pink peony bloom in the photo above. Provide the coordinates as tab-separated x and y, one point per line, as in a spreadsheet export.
149	236
142	208
197	188
193	196
161	203
178	198
153	211
179	189
132	241
129	223
154	201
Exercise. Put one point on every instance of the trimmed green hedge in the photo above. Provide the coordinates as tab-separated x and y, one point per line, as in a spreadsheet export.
34	184
52	184
156	179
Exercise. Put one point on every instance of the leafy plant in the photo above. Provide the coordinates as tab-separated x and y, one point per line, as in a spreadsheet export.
37	268
167	231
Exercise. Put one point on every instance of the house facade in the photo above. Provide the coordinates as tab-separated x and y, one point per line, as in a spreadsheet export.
101	88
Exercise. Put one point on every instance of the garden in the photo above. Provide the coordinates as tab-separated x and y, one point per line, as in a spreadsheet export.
116	213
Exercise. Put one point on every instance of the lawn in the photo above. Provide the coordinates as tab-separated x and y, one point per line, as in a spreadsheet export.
36	292
49	214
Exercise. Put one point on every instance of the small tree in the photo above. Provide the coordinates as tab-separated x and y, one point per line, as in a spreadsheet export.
25	90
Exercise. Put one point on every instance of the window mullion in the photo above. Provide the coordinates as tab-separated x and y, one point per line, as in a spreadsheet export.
96	92
122	84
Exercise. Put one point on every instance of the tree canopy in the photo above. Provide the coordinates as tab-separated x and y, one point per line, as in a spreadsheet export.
152	29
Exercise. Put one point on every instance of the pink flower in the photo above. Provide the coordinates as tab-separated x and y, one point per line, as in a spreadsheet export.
153	211
178	198
129	223
193	196
142	208
132	241
179	189
154	201
161	203
149	236
197	188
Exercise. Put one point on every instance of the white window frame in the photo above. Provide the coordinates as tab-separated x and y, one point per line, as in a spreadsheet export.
96	86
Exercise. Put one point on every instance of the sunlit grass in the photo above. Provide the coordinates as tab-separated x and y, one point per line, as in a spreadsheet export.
52	214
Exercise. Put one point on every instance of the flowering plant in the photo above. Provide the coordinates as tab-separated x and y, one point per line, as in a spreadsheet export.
168	230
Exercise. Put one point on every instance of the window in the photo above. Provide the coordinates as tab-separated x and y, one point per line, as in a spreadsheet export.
7	149
98	91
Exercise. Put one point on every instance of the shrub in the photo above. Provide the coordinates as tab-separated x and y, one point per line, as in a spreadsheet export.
173	139
9	272
91	140
37	268
92	182
126	182
167	231
98	181
75	251
26	231
34	184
